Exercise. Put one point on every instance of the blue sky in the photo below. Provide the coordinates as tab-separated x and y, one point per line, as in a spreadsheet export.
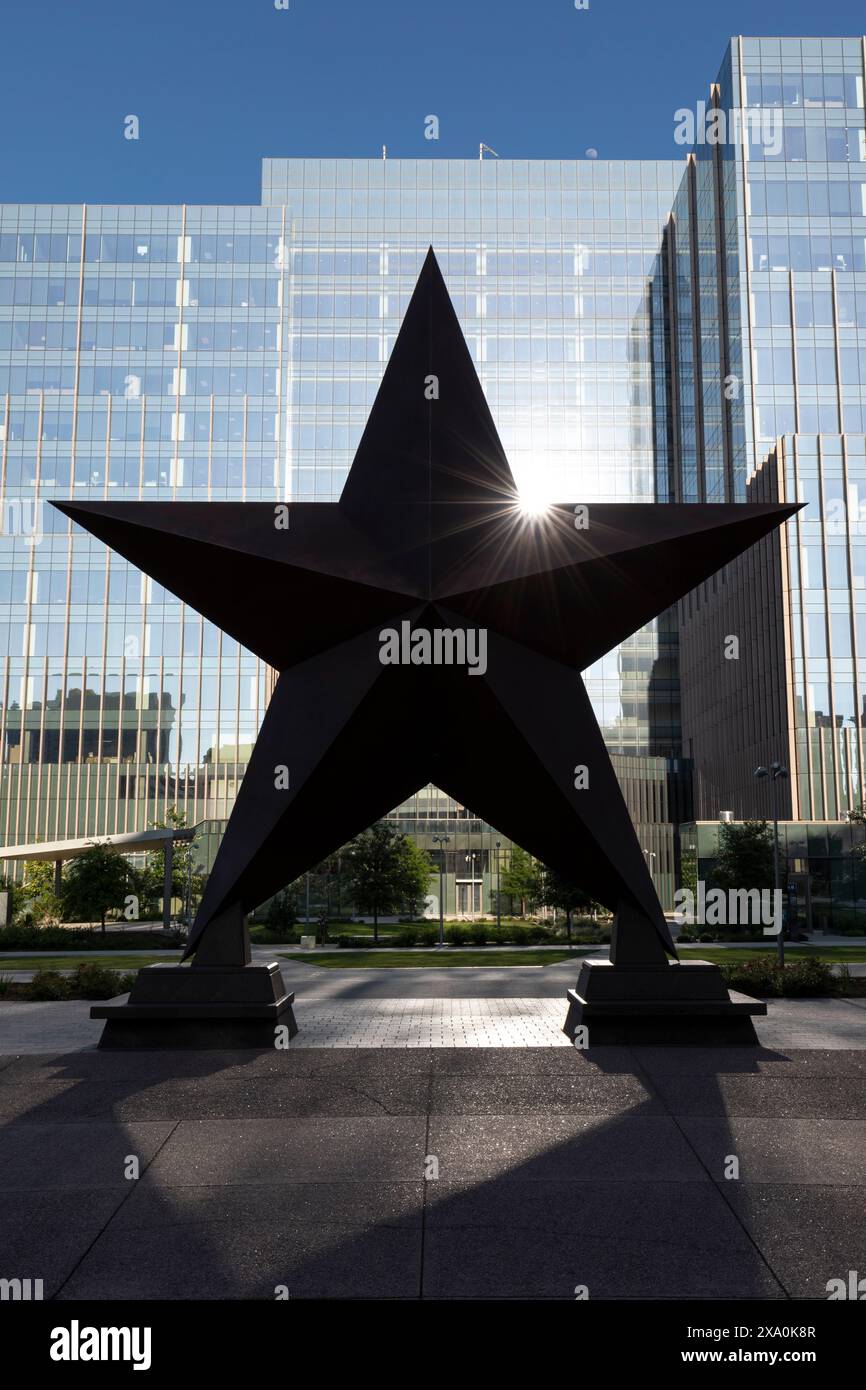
217	84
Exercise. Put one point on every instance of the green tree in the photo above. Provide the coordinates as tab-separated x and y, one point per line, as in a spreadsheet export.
418	867
326	881
745	856
858	855
386	869
565	893
7	885
184	874
520	879
37	889
95	882
282	913
320	890
689	868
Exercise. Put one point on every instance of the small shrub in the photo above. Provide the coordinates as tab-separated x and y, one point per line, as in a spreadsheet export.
810	976
21	937
408	936
752	976
355	943
90	981
426	935
48	984
766	977
267	936
457	935
478	933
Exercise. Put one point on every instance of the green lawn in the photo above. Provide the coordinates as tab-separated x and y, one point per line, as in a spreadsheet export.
115	961
335	929
850	954
383	959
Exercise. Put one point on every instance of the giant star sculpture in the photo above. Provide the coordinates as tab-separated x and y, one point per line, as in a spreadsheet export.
429	537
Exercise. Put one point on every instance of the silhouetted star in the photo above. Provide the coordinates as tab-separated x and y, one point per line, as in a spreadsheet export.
430	532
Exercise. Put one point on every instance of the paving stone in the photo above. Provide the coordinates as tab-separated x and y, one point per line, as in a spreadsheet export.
531	1148
152	1204
531	1061
47	1027
47	1102
750	1061
43	1235
219	1260
691	1214
138	1067
65	1156
531	1264
813	1023
352	1149
772	1095
424	1022
794	1151
269	1098
808	1234
359	1063
533	1095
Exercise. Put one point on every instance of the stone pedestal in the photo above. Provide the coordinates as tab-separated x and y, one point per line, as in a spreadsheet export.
199	1006
668	1002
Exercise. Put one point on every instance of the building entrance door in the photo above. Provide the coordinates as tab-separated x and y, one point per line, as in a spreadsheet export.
469	898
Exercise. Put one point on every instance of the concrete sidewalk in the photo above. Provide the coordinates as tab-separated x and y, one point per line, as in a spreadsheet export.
456	1173
459	1020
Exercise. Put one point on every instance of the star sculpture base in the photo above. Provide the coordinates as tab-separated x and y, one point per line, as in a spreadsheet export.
201	1006
674	1002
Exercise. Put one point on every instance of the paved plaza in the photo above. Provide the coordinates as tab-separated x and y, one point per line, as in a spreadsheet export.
340	1020
482	1006
452	1146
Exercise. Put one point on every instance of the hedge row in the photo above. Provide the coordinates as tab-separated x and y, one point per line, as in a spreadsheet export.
32	938
471	934
86	981
691	938
765	977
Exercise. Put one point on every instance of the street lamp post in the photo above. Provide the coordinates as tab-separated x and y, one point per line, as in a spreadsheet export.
776	772
470	860
498	890
441	841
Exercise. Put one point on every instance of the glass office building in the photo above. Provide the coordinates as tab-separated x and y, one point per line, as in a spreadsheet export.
234	353
774	227
644	331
